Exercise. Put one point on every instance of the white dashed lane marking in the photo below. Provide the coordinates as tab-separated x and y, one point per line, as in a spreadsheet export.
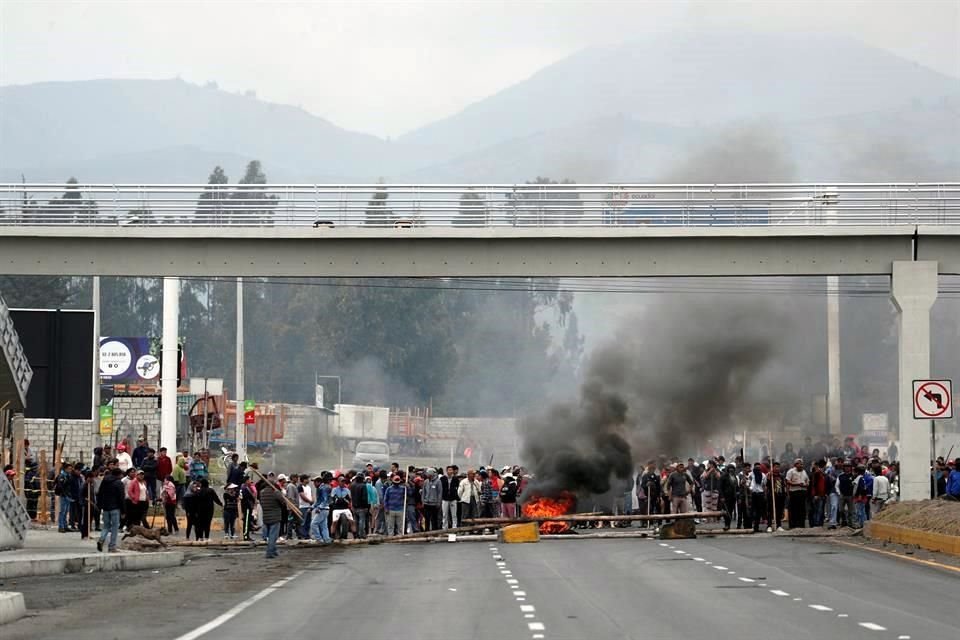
520	593
872	626
527	608
536	626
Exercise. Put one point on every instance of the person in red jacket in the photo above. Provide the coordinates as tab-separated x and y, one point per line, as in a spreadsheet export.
164	464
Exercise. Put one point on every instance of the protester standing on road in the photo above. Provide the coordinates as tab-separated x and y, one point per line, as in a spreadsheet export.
508	496
449	484
432	495
710	487
373	499
393	499
679	485
231	510
169	496
138	501
206	498
469	494
361	504
110	499
775	492
248	504
758	500
319	522
798	486
179	474
270	506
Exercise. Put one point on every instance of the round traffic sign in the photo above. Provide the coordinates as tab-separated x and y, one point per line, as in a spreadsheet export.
935	394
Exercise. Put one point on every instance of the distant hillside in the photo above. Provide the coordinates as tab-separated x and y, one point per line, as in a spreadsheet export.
694	79
85	124
609	149
719	106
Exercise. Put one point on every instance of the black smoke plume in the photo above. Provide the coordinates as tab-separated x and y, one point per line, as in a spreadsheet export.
683	371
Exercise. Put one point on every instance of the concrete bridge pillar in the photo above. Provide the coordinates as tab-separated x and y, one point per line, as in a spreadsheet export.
168	373
914	291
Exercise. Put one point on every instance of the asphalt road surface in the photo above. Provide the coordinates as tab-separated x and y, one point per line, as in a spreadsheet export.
738	587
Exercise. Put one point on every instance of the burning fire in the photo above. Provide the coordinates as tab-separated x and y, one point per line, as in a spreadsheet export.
542	506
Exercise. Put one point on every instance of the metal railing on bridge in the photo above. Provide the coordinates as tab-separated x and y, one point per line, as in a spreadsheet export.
325	206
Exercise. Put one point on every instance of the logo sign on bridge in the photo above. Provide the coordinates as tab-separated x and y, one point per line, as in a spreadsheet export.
932	399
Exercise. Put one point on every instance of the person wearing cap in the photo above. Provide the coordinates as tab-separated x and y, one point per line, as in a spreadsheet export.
124	461
138	501
319	522
432	494
340	504
394	497
798	485
231	509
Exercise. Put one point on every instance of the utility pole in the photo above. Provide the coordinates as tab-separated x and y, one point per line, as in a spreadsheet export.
241	429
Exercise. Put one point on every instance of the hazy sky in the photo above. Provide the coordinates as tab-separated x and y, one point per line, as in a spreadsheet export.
388	67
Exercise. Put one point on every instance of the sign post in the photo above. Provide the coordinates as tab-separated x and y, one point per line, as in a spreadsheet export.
933	400
249	414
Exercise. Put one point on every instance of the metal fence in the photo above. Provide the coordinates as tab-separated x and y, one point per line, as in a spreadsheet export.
323	206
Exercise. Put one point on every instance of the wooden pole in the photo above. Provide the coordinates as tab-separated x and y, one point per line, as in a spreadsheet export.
283	496
18	467
43	511
57	463
89	508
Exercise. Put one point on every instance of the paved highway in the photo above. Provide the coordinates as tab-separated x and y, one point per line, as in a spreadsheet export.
739	587
639	589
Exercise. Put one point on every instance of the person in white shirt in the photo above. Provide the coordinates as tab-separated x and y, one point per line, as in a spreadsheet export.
798	485
124	461
881	492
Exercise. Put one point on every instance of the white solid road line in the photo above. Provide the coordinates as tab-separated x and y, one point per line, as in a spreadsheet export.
232	613
872	626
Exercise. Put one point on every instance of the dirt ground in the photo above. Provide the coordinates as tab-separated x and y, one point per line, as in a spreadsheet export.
168	602
935	516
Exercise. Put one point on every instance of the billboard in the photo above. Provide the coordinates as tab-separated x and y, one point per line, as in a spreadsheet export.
126	360
59	347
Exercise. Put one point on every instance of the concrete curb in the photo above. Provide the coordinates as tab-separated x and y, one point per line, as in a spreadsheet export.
88	563
12	606
907	535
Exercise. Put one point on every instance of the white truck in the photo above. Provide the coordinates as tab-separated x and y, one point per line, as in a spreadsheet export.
355	423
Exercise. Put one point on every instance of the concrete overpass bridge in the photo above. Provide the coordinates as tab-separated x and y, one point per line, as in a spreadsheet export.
909	231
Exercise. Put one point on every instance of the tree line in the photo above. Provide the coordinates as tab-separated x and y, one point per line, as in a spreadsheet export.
465	348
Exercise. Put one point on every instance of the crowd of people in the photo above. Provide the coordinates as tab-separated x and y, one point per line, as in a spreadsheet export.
334	505
827	484
818	486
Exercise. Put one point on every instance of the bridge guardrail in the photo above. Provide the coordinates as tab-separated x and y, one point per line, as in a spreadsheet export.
477	206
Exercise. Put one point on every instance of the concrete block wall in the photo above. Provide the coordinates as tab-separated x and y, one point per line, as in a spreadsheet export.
302	421
130	414
79	434
497	436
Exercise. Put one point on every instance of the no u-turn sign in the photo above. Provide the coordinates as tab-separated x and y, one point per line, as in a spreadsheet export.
932	399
